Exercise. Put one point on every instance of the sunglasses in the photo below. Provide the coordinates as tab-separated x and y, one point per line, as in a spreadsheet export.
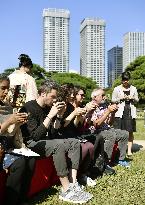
81	94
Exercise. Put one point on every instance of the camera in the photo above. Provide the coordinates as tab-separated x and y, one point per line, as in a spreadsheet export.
114	103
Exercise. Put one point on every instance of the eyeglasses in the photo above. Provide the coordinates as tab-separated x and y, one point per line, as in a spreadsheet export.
81	94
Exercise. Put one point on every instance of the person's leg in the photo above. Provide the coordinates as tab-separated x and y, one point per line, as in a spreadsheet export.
13	184
87	158
130	143
55	148
122	139
87	155
99	147
109	140
26	180
72	147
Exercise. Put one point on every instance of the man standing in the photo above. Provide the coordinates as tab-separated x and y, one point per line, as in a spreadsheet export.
44	115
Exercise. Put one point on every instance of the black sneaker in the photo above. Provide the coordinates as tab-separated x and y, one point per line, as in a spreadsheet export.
109	170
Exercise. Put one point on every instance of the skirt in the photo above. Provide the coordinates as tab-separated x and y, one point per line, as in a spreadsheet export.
126	122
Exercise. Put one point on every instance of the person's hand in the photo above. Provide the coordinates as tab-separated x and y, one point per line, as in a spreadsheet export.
112	108
90	106
130	98
56	108
62	110
79	111
16	118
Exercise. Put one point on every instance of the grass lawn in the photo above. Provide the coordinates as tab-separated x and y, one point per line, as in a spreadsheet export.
127	187
140	133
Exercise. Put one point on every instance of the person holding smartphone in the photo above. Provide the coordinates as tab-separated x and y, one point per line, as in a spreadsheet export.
126	95
18	168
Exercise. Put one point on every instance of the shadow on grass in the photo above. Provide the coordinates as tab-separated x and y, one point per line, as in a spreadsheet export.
136	147
41	196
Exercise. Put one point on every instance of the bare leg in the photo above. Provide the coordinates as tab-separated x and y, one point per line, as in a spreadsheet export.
72	175
65	183
130	143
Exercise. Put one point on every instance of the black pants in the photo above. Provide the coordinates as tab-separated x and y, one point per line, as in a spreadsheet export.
18	181
58	148
98	142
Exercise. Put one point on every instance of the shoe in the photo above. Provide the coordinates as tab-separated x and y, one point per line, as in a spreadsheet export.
123	163
108	170
85	180
79	188
74	195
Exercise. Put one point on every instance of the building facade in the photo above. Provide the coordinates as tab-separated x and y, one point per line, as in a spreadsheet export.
115	64
133	46
92	49
56	39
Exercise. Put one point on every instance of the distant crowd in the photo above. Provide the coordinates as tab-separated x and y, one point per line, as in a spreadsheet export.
53	120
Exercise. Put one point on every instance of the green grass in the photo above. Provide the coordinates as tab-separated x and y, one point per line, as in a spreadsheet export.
140	133
127	187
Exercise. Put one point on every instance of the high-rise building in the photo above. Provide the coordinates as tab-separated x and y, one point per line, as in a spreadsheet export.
115	64
56	39
133	46
92	49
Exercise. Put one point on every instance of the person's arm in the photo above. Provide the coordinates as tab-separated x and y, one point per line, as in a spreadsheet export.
98	122
59	116
35	129
135	96
31	92
115	97
73	115
14	118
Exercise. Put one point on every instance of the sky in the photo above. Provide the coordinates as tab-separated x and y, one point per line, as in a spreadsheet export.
21	26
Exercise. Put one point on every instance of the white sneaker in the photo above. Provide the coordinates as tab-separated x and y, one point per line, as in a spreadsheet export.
73	196
89	181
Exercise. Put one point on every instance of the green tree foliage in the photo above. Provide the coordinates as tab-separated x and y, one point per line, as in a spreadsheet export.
8	71
40	74
86	83
37	72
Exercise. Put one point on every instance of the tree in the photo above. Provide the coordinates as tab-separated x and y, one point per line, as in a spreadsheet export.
40	74
37	72
86	83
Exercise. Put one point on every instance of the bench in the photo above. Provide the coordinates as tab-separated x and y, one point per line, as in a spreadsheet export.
44	177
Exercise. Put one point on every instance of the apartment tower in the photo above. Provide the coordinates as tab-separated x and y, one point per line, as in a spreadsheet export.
133	46
92	49
115	64
56	39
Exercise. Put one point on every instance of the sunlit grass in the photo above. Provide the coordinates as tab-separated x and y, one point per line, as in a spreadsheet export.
140	134
127	187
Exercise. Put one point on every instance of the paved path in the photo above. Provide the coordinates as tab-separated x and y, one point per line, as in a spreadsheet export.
138	145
